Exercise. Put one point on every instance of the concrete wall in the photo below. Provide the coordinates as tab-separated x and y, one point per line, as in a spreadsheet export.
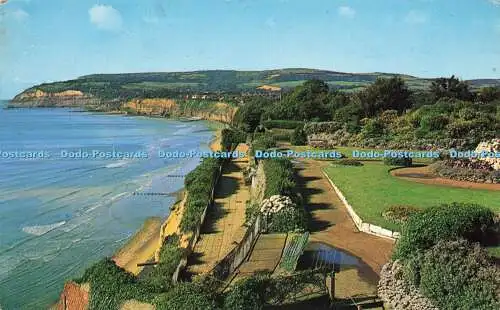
358	221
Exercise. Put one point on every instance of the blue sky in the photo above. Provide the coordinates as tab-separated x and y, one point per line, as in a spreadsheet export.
50	40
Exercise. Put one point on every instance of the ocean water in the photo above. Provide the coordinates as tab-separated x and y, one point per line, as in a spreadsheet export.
60	215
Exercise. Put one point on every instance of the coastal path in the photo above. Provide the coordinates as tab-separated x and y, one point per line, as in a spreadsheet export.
223	227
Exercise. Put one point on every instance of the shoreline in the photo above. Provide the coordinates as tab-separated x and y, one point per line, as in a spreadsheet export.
146	243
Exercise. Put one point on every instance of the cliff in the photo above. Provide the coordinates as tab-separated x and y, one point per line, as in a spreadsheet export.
206	110
40	98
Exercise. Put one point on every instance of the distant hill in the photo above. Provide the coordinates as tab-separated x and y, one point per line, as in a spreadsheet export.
163	84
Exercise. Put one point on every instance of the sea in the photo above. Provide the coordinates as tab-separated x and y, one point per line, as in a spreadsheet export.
60	211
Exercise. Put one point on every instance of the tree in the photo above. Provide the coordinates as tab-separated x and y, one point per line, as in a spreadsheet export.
451	88
385	94
310	100
489	94
249	115
299	137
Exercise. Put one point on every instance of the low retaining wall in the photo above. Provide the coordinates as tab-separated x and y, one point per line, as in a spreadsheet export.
358	221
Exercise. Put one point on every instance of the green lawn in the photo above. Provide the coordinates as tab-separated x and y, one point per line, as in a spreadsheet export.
494	251
370	189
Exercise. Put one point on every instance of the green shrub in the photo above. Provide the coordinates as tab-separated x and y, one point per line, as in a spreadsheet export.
349	162
251	211
160	278
288	220
186	296
111	285
282	136
247	294
282	124
444	222
398	161
456	275
279	178
298	137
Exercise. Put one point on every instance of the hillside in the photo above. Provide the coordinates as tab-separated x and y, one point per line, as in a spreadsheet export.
169	84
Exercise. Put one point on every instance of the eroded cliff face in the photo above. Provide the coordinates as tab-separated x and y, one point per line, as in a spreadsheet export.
74	296
40	98
221	112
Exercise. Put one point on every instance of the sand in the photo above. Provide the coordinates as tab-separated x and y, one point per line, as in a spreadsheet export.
141	247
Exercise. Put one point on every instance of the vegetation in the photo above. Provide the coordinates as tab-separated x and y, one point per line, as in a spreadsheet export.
282	124
298	137
445	222
160	278
262	290
456	275
466	170
112	285
199	184
349	162
399	214
186	296
370	189
398	161
231	137
280	180
262	142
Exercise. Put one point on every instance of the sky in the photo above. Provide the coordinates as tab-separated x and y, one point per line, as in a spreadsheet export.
52	40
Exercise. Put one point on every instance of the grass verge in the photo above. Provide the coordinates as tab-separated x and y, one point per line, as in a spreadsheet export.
370	189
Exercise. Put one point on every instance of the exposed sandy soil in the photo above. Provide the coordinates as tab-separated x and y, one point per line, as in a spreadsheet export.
140	248
424	175
74	297
331	224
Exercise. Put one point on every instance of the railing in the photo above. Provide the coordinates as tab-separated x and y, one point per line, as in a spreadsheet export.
237	256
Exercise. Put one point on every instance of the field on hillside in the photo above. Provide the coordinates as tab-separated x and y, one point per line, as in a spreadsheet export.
370	189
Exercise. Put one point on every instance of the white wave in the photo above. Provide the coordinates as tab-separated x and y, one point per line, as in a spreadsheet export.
107	202
39	230
118	164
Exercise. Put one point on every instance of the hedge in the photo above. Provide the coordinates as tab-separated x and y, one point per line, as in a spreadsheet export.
456	275
398	161
282	124
199	184
445	222
280	180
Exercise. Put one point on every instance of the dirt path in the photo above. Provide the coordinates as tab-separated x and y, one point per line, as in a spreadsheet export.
223	226
424	175
331	223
